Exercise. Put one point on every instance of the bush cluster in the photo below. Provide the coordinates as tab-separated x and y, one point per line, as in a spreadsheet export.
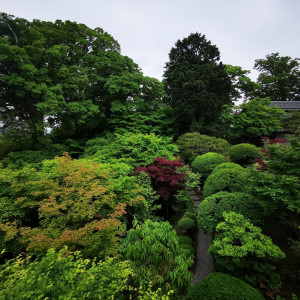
193	144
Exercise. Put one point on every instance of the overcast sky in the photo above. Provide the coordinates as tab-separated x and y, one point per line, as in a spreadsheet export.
243	30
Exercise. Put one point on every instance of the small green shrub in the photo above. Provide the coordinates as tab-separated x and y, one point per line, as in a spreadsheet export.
204	164
190	251
191	215
211	209
231	180
183	201
193	144
227	165
183	239
243	154
186	224
220	286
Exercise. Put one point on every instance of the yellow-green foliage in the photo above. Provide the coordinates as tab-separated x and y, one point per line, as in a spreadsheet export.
64	275
242	250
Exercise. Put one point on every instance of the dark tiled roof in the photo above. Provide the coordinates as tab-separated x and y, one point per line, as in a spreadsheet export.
287	105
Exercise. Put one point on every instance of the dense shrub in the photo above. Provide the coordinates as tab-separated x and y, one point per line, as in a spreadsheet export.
190	214
183	239
189	249
186	224
156	256
183	200
211	209
204	164
240	249
231	180
243	154
71	204
135	149
220	286
227	165
194	144
64	275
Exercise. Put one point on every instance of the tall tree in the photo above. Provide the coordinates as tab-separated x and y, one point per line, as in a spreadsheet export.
279	77
53	74
196	83
242	86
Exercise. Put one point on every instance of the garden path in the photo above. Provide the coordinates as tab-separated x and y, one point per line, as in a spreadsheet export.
204	263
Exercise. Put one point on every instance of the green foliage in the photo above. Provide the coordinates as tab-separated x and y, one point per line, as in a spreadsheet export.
183	239
227	165
242	86
279	77
205	164
16	160
276	193
193	144
191	215
242	250
243	154
231	180
191	179
211	209
64	275
186	224
135	149
284	159
147	208
251	120
220	286
193	69
183	200
189	249
156	256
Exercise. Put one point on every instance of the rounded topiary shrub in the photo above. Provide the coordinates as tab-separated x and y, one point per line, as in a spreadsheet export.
243	154
186	224
219	286
193	144
227	165
204	164
183	239
211	209
189	249
230	180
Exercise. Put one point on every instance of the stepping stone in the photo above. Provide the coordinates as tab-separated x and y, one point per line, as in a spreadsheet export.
195	198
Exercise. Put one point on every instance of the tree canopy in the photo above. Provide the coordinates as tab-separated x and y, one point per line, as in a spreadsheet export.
196	83
279	77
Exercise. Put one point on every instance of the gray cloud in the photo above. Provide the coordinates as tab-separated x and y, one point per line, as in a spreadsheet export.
243	30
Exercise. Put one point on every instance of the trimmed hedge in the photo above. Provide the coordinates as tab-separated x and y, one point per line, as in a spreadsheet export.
205	164
193	144
230	180
220	286
243	154
211	209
